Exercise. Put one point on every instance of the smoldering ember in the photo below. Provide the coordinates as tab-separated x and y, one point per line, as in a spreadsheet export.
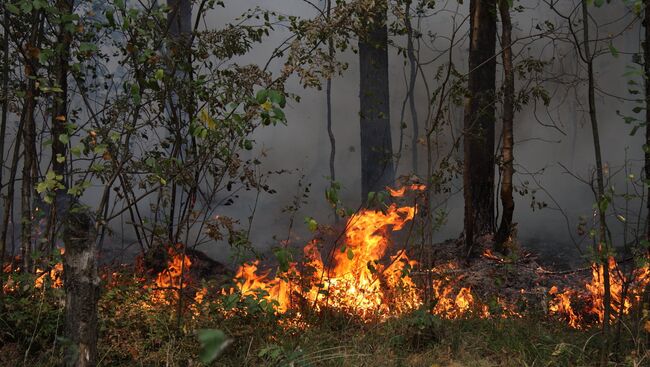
325	183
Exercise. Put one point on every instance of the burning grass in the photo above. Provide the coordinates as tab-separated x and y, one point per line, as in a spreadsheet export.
364	301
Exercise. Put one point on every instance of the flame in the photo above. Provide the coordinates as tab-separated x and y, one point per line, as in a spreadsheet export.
55	275
398	193
358	281
452	304
168	281
621	302
561	304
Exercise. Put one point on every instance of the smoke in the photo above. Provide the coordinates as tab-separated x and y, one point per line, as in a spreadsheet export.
553	151
554	147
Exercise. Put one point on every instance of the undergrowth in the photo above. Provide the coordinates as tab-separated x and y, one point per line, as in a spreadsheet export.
136	333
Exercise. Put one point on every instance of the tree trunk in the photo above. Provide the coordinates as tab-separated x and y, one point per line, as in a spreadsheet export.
602	246
646	65
478	137
507	168
376	144
413	72
328	92
179	27
81	289
3	122
29	139
60	112
28	122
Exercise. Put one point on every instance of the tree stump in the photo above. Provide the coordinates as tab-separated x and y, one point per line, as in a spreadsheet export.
81	284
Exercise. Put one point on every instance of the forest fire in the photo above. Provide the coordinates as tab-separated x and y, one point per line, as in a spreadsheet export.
168	282
52	276
360	279
582	308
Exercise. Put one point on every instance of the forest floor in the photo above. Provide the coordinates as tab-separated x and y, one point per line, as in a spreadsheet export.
138	327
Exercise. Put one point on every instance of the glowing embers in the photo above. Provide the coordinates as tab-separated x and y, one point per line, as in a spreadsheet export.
361	279
583	308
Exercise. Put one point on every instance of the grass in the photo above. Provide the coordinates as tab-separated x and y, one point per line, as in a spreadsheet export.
133	334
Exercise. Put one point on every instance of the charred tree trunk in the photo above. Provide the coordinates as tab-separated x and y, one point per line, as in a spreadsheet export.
376	144
81	289
478	137
507	168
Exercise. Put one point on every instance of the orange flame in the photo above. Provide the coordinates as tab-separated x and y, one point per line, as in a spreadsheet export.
55	275
168	281
621	301
398	193
357	281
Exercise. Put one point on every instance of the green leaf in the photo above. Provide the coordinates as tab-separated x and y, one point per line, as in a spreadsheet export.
350	254
12	8
135	93
87	47
50	175
100	149
277	98
613	50
41	187
311	224
261	96
213	342
77	150
284	258
110	18
64	138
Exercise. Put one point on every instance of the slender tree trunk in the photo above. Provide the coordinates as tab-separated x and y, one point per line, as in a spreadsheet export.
81	288
28	122
60	112
602	246
646	66
3	122
9	199
180	27
29	138
328	92
180	30
478	138
507	167
376	144
413	72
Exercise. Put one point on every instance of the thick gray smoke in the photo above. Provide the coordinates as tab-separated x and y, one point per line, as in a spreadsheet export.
550	140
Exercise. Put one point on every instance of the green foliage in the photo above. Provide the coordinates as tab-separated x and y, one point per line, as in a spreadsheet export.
213	342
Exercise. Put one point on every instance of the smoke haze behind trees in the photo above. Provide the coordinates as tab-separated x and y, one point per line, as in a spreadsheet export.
548	139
